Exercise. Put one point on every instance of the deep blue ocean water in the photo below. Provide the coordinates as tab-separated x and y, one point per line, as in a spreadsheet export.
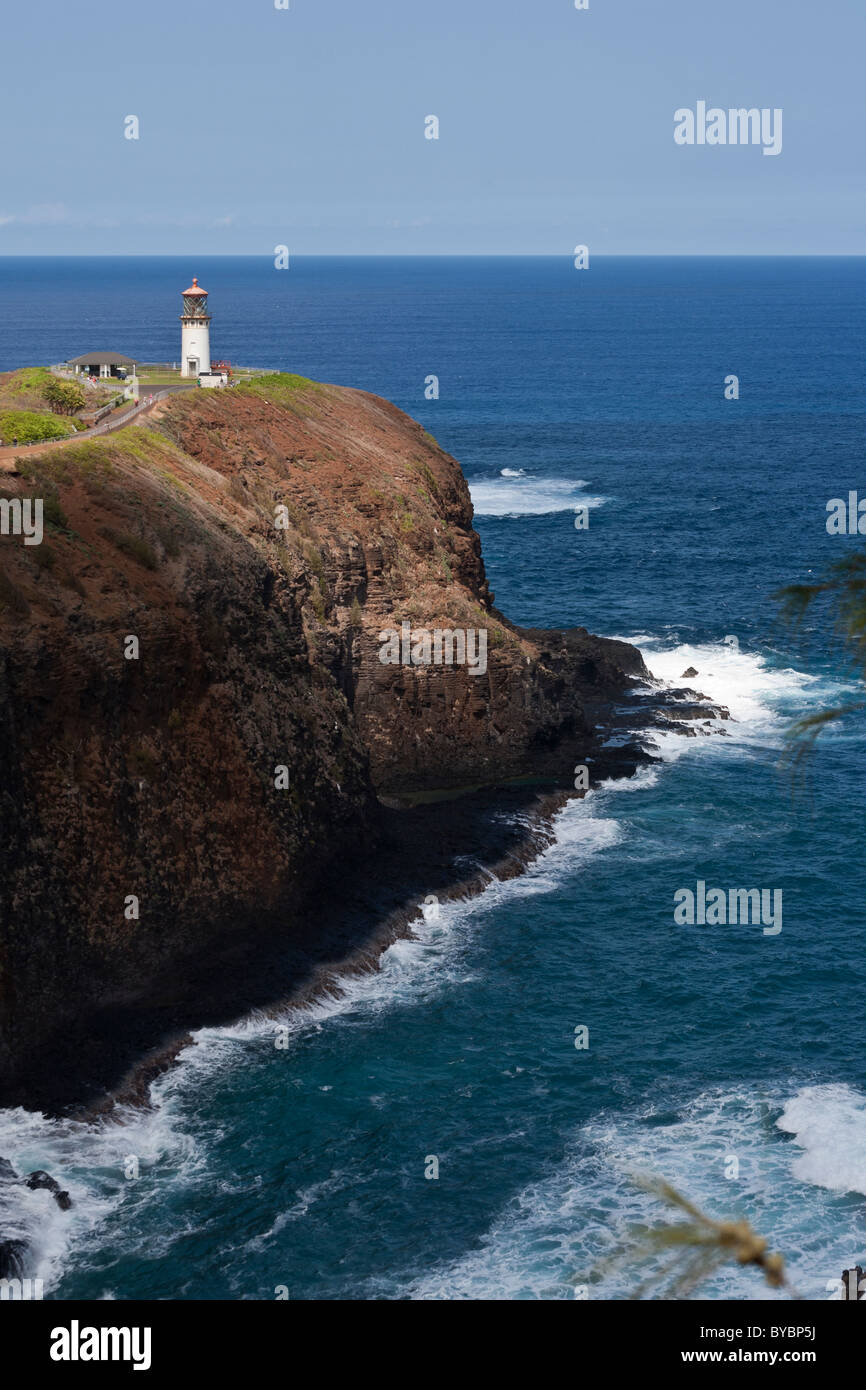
720	1058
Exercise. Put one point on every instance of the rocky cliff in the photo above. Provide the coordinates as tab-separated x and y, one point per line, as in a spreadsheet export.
197	722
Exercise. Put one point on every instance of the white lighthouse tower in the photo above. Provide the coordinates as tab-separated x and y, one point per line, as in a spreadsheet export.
194	332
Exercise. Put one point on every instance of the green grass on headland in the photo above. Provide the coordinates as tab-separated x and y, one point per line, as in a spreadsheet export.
25	386
32	399
158	374
32	427
284	389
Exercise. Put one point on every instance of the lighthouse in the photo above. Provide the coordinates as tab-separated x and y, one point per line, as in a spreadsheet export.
194	332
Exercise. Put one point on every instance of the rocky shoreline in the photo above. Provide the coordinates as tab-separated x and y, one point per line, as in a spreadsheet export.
448	848
151	780
13	1249
257	652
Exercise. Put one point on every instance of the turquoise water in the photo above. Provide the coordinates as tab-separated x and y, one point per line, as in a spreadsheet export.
304	1166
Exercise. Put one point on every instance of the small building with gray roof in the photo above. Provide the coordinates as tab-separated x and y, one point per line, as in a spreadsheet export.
102	364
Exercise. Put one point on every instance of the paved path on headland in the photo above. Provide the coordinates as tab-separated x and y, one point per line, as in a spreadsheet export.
147	401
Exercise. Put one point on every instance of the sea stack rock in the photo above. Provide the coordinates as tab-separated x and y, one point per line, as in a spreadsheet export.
40	1179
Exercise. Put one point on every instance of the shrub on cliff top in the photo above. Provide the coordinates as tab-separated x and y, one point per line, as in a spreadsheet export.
64	397
30	427
34	388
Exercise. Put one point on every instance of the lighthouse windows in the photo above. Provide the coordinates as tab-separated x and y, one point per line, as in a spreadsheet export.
195	332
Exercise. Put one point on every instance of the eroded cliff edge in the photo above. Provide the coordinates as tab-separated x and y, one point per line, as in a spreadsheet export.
258	648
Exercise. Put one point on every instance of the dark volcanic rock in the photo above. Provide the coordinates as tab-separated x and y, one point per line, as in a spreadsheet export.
12	1253
169	807
13	1250
686	711
40	1179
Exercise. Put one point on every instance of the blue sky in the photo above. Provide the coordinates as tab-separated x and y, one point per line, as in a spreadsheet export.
305	127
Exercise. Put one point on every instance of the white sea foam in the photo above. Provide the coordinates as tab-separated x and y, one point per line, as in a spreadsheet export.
434	957
829	1124
762	698
573	1226
89	1159
743	680
519	495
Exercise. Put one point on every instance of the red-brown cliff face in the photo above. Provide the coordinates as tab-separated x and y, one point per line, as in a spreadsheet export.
256	544
380	534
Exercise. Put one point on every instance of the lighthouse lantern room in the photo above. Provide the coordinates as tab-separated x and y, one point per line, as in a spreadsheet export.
195	332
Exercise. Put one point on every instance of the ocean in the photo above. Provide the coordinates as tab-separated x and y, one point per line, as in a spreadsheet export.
720	1058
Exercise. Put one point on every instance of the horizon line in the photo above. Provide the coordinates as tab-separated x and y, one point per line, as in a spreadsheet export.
432	255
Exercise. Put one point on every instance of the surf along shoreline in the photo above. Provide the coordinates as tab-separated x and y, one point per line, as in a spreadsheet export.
443	845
